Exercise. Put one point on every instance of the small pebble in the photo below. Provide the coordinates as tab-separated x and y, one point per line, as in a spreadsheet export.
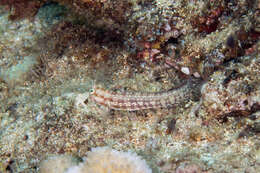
185	70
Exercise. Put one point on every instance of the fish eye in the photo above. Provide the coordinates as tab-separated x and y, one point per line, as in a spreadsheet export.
91	90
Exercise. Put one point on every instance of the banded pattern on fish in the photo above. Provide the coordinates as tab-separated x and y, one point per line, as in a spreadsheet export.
140	101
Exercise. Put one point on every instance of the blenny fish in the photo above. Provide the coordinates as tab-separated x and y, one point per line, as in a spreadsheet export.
139	101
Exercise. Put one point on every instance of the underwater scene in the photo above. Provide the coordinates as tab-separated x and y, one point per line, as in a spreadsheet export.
129	86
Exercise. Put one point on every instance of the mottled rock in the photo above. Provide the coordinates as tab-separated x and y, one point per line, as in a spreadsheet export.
230	93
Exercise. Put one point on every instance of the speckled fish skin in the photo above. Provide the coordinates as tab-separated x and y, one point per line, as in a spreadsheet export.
141	101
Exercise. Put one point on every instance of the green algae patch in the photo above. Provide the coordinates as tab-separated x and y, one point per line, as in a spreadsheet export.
18	73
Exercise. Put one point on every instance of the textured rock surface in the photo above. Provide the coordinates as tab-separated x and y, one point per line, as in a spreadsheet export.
235	90
50	60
